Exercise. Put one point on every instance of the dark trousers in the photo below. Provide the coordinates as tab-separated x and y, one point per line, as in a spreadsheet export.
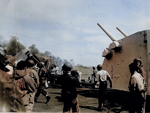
137	103
52	78
39	91
71	104
102	93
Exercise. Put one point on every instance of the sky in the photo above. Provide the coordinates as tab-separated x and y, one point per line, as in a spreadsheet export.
68	28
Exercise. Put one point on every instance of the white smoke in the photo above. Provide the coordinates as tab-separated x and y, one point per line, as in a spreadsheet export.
59	62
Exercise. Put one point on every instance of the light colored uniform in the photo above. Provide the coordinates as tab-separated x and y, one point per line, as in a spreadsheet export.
137	93
102	75
137	81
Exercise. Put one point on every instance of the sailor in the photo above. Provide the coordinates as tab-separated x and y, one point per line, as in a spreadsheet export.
41	88
137	88
93	77
34	75
26	84
102	76
53	74
94	72
69	93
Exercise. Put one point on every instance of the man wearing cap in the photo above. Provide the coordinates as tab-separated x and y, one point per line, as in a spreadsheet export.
137	87
35	83
137	63
69	93
102	77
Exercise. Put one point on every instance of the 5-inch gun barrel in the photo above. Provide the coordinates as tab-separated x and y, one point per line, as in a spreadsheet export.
112	38
121	31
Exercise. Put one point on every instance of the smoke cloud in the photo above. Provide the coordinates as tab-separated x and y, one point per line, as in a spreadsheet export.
13	46
59	62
